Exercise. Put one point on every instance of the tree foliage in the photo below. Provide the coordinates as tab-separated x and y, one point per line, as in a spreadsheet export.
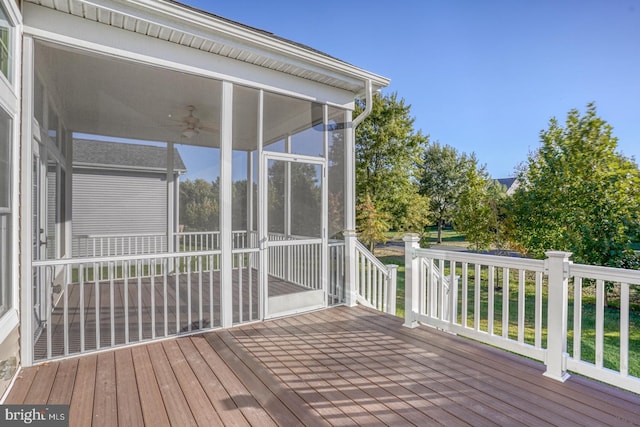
372	224
443	175
480	210
577	194
199	205
387	152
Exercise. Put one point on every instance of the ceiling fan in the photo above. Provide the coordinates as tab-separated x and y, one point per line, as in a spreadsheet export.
191	125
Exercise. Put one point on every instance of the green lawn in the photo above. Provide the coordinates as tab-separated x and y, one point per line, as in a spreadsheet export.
611	323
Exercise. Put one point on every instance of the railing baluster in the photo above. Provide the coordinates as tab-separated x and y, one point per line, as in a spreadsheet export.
624	329
600	290
112	303
505	302
65	302
465	294
577	318
477	297
139	289
97	302
491	290
521	304
125	272
538	311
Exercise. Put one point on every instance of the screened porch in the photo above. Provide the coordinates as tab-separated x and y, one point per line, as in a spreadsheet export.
165	202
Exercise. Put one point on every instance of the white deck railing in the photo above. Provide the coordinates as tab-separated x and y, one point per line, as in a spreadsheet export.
104	245
375	282
522	305
101	302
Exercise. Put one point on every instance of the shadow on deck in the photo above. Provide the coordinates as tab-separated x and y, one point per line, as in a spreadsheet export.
339	366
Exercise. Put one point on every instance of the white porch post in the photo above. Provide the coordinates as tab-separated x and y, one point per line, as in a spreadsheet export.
350	236
170	199
392	289
411	279
226	202
26	255
557	266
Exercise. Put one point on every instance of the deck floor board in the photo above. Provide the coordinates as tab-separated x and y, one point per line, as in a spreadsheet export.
339	366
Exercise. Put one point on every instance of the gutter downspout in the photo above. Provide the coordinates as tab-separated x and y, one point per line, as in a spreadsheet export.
350	235
367	108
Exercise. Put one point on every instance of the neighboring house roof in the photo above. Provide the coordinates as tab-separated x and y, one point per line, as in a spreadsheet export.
174	22
512	184
118	155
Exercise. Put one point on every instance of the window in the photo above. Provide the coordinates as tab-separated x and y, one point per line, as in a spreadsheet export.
5	44
5	212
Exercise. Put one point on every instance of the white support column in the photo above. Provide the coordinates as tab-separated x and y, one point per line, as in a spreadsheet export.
557	267
171	228
26	255
263	230
226	203
411	279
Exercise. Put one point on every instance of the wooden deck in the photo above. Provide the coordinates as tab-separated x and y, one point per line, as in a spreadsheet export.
339	366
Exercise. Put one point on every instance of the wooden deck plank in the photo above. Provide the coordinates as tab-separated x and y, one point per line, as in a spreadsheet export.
21	386
81	406
201	408
336	407
404	402
238	392
526	384
526	378
435	380
151	403
128	396
211	385
270	400
62	389
105	404
174	400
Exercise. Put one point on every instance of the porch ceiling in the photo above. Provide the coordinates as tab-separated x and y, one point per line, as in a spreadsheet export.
104	96
187	26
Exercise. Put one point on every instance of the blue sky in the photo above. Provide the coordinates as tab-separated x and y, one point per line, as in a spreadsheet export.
481	76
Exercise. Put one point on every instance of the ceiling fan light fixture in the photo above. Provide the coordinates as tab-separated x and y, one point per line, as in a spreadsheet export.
189	132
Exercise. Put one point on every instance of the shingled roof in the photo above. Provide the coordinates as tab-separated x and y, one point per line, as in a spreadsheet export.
117	155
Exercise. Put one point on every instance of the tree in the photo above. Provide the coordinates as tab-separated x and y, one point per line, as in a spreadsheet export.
443	175
480	210
387	152
578	194
372	224
199	205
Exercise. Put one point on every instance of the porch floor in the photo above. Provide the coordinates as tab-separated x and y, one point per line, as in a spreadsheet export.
339	366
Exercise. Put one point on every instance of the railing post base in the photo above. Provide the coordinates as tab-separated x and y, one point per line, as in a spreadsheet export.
351	272
411	280
557	267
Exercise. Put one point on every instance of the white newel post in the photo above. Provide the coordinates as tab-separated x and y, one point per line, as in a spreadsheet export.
411	279
557	266
392	288
351	262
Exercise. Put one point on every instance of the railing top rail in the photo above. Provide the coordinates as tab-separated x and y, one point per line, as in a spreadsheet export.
93	260
610	274
363	250
484	259
100	236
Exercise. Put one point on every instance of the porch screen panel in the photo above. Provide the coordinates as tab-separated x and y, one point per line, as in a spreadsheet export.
293	125
337	128
245	148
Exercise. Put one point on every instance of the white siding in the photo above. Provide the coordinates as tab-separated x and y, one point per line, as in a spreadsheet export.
118	203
